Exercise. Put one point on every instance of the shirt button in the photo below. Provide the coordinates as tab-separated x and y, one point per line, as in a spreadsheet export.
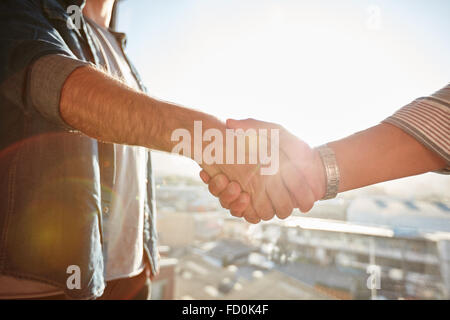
106	209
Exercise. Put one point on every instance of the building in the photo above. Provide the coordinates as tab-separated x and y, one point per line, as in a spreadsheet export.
204	273
408	243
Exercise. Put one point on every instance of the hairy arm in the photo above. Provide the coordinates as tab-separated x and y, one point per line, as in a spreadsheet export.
106	109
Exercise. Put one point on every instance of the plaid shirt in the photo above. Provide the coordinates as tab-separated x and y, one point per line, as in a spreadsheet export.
51	176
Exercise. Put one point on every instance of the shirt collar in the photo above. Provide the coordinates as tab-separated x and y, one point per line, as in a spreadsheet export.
79	3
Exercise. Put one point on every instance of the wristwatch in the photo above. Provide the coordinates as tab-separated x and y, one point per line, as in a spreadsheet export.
331	169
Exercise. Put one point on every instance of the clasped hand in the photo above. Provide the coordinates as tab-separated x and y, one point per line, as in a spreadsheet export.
242	189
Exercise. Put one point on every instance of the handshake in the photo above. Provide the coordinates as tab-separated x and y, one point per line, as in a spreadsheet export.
294	175
297	176
298	180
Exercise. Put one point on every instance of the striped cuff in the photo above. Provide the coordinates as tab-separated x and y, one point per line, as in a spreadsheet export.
428	120
47	78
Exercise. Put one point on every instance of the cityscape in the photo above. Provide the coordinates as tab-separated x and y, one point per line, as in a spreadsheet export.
372	246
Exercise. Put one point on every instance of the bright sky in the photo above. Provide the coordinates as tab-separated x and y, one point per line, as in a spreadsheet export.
323	69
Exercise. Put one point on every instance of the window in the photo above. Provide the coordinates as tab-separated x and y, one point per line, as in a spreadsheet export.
323	70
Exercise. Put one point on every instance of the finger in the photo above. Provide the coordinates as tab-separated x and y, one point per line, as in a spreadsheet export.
296	183
250	215
262	205
238	206
204	176
211	170
287	166
217	184
280	197
230	194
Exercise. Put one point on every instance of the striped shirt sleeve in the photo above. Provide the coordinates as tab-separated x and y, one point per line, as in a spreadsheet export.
428	120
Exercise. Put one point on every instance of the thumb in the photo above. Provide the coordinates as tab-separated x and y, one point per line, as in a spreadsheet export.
289	143
250	123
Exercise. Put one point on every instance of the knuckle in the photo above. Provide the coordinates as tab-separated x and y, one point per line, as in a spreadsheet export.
235	213
237	209
224	204
213	189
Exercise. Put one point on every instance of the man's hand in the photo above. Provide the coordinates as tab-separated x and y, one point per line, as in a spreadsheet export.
301	173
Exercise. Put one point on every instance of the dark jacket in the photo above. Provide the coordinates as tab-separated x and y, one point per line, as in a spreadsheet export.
52	181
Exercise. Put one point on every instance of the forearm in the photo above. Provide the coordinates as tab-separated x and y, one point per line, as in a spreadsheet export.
104	108
381	153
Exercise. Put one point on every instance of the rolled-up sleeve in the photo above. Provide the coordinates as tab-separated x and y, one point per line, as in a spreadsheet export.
47	77
28	77
427	119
